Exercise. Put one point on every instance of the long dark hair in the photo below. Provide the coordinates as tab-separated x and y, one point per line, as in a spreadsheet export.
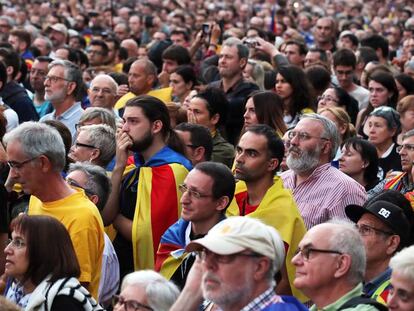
49	248
369	154
302	92
268	107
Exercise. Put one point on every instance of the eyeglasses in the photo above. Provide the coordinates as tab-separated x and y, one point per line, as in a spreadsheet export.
365	230
74	183
326	98
409	147
302	136
192	193
77	144
129	305
305	252
97	90
19	165
16	243
55	79
226	259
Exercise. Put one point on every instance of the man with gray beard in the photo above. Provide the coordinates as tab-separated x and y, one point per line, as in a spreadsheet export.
321	191
63	88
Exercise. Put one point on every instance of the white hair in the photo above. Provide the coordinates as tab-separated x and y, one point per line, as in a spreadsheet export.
161	293
403	263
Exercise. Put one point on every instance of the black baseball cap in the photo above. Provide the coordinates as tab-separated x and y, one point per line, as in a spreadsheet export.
388	213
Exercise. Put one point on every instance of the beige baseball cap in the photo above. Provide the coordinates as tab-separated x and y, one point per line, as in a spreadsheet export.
59	28
236	234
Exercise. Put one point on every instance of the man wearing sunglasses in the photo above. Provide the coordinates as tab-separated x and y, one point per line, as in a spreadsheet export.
384	229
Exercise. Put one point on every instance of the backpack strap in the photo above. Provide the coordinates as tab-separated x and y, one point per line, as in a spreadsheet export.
355	301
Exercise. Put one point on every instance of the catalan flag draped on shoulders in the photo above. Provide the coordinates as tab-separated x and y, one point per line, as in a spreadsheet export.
171	252
157	205
279	210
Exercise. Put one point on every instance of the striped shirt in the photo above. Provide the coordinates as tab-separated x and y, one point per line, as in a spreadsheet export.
324	194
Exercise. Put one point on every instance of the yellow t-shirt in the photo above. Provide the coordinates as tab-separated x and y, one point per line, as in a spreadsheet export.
84	224
164	94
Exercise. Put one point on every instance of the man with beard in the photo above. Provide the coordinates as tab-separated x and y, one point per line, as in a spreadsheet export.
238	259
320	190
260	194
63	88
144	200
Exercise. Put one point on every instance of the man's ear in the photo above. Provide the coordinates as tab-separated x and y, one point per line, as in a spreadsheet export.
273	164
243	62
222	203
157	126
215	119
71	87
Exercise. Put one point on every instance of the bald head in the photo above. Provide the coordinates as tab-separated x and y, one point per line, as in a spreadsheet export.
102	92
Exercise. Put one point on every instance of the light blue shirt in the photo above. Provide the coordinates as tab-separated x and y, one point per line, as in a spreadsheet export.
69	118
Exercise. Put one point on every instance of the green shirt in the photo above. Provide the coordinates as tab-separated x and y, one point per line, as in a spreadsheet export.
356	292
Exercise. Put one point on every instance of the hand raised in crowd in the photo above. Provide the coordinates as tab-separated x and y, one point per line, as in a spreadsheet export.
123	142
266	47
122	90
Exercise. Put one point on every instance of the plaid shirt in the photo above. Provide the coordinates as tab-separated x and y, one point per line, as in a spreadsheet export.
263	300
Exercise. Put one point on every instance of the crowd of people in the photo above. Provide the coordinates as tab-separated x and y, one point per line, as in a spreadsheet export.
188	155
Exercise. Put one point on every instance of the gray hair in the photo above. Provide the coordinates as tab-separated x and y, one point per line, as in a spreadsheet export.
161	293
49	43
72	73
403	263
101	136
107	117
114	85
242	50
258	73
330	131
409	133
38	139
346	239
10	21
98	182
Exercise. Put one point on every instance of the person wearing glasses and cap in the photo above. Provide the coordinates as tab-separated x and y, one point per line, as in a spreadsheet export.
384	229
236	267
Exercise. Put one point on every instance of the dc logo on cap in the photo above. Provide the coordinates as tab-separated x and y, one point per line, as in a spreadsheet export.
384	212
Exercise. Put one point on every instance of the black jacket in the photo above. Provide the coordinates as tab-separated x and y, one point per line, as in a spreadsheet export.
15	96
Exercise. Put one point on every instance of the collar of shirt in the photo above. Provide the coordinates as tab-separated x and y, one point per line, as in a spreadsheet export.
355	292
263	300
371	286
316	172
68	113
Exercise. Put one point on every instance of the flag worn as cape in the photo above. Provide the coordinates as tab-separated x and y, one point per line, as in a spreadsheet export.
157	205
171	251
279	210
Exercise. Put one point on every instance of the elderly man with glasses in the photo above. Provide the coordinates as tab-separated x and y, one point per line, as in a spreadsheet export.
330	266
320	190
238	260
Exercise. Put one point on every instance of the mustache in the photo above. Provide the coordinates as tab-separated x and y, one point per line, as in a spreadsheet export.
211	276
294	149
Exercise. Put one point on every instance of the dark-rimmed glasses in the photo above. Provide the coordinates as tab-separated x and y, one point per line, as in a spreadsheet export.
74	183
409	147
19	165
226	259
305	252
85	145
129	305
